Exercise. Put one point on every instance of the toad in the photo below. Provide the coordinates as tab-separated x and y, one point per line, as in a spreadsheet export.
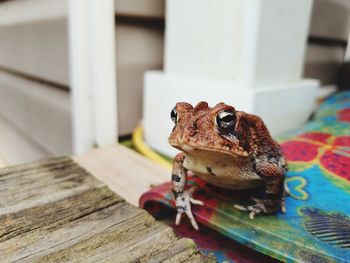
229	149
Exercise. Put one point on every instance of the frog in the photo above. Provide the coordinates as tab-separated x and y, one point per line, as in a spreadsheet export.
227	148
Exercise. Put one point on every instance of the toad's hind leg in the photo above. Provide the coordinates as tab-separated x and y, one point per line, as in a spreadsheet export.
274	193
183	198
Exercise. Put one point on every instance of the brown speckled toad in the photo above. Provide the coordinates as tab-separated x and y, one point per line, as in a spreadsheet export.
227	148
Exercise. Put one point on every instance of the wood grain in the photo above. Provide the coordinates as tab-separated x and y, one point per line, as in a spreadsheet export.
55	211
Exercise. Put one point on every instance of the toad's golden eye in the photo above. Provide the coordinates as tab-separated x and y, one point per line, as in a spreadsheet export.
226	119
173	115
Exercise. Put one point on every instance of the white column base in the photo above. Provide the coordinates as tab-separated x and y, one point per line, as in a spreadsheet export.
282	107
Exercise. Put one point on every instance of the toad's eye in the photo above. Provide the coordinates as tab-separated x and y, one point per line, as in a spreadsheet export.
173	115
226	119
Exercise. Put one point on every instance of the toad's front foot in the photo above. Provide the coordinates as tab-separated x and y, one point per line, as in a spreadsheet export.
183	205
261	207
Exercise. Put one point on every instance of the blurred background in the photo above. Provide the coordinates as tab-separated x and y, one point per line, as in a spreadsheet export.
50	48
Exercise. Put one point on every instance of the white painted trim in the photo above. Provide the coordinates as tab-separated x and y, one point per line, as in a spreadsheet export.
82	123
103	70
19	11
93	74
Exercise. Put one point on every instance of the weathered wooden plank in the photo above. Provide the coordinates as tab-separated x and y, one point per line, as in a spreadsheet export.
90	224
54	215
62	223
139	239
25	186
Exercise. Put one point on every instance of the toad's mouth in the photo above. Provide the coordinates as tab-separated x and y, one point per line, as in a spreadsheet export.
191	149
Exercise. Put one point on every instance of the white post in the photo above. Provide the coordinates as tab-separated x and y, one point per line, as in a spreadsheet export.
82	123
93	73
103	70
247	53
